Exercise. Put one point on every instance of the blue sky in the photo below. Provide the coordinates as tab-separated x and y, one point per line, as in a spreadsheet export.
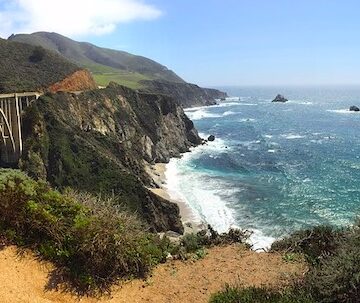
236	42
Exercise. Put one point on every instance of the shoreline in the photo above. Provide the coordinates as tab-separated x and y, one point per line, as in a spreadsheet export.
188	216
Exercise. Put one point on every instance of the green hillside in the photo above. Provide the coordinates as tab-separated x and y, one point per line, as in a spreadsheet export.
105	64
27	68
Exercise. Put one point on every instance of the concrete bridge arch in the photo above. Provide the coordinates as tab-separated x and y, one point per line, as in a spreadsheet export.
11	109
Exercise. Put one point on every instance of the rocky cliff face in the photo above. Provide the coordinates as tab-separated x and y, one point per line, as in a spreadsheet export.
186	94
100	140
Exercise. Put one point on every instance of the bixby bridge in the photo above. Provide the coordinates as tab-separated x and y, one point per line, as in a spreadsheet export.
11	109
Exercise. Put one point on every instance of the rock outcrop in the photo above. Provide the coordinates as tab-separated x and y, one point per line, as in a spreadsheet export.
354	108
211	138
280	98
101	140
78	81
185	94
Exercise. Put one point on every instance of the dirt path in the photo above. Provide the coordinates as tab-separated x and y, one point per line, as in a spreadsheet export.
24	279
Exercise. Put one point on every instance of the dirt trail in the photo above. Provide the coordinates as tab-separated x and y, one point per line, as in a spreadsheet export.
23	279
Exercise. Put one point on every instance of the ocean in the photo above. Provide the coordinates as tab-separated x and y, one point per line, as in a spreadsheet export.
274	167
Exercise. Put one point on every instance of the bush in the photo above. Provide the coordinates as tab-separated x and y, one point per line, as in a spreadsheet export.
337	278
316	243
260	295
194	244
38	54
88	238
334	257
209	237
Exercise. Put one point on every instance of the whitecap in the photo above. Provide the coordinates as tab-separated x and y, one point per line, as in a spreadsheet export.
292	136
226	104
259	241
341	111
229	113
248	104
201	194
201	114
301	102
247	120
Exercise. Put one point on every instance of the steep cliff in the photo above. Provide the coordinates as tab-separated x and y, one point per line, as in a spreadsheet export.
186	94
101	140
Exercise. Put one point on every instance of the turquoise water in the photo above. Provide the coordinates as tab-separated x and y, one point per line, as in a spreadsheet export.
274	168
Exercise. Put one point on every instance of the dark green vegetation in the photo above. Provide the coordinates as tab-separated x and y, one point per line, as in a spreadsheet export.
260	295
28	68
106	64
90	240
136	72
195	243
333	256
99	141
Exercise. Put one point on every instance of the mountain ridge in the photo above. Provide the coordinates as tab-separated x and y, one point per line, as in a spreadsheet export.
133	71
25	67
91	56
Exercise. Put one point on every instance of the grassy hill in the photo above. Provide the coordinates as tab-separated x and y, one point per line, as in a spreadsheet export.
26	67
105	64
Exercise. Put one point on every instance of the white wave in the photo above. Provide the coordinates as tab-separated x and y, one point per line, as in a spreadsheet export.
342	111
203	197
259	241
232	99
271	151
292	136
201	114
229	113
268	136
226	104
248	104
189	110
247	120
300	102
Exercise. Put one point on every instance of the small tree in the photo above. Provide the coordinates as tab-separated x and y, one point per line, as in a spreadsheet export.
38	54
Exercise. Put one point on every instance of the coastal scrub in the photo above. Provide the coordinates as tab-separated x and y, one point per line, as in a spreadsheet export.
90	240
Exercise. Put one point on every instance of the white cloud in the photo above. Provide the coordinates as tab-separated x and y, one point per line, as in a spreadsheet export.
71	17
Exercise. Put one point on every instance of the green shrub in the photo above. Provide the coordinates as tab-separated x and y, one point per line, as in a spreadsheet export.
334	259
260	295
195	243
315	243
87	237
38	54
337	278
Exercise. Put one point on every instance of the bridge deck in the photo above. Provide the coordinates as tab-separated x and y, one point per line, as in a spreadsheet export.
25	94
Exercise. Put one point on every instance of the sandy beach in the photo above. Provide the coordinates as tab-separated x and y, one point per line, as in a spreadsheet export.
188	217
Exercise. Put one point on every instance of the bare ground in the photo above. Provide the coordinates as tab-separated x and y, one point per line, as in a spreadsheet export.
24	279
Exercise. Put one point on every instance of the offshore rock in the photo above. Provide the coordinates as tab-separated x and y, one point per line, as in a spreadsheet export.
211	138
280	98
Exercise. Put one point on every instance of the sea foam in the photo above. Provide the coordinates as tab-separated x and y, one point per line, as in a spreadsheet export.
205	195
